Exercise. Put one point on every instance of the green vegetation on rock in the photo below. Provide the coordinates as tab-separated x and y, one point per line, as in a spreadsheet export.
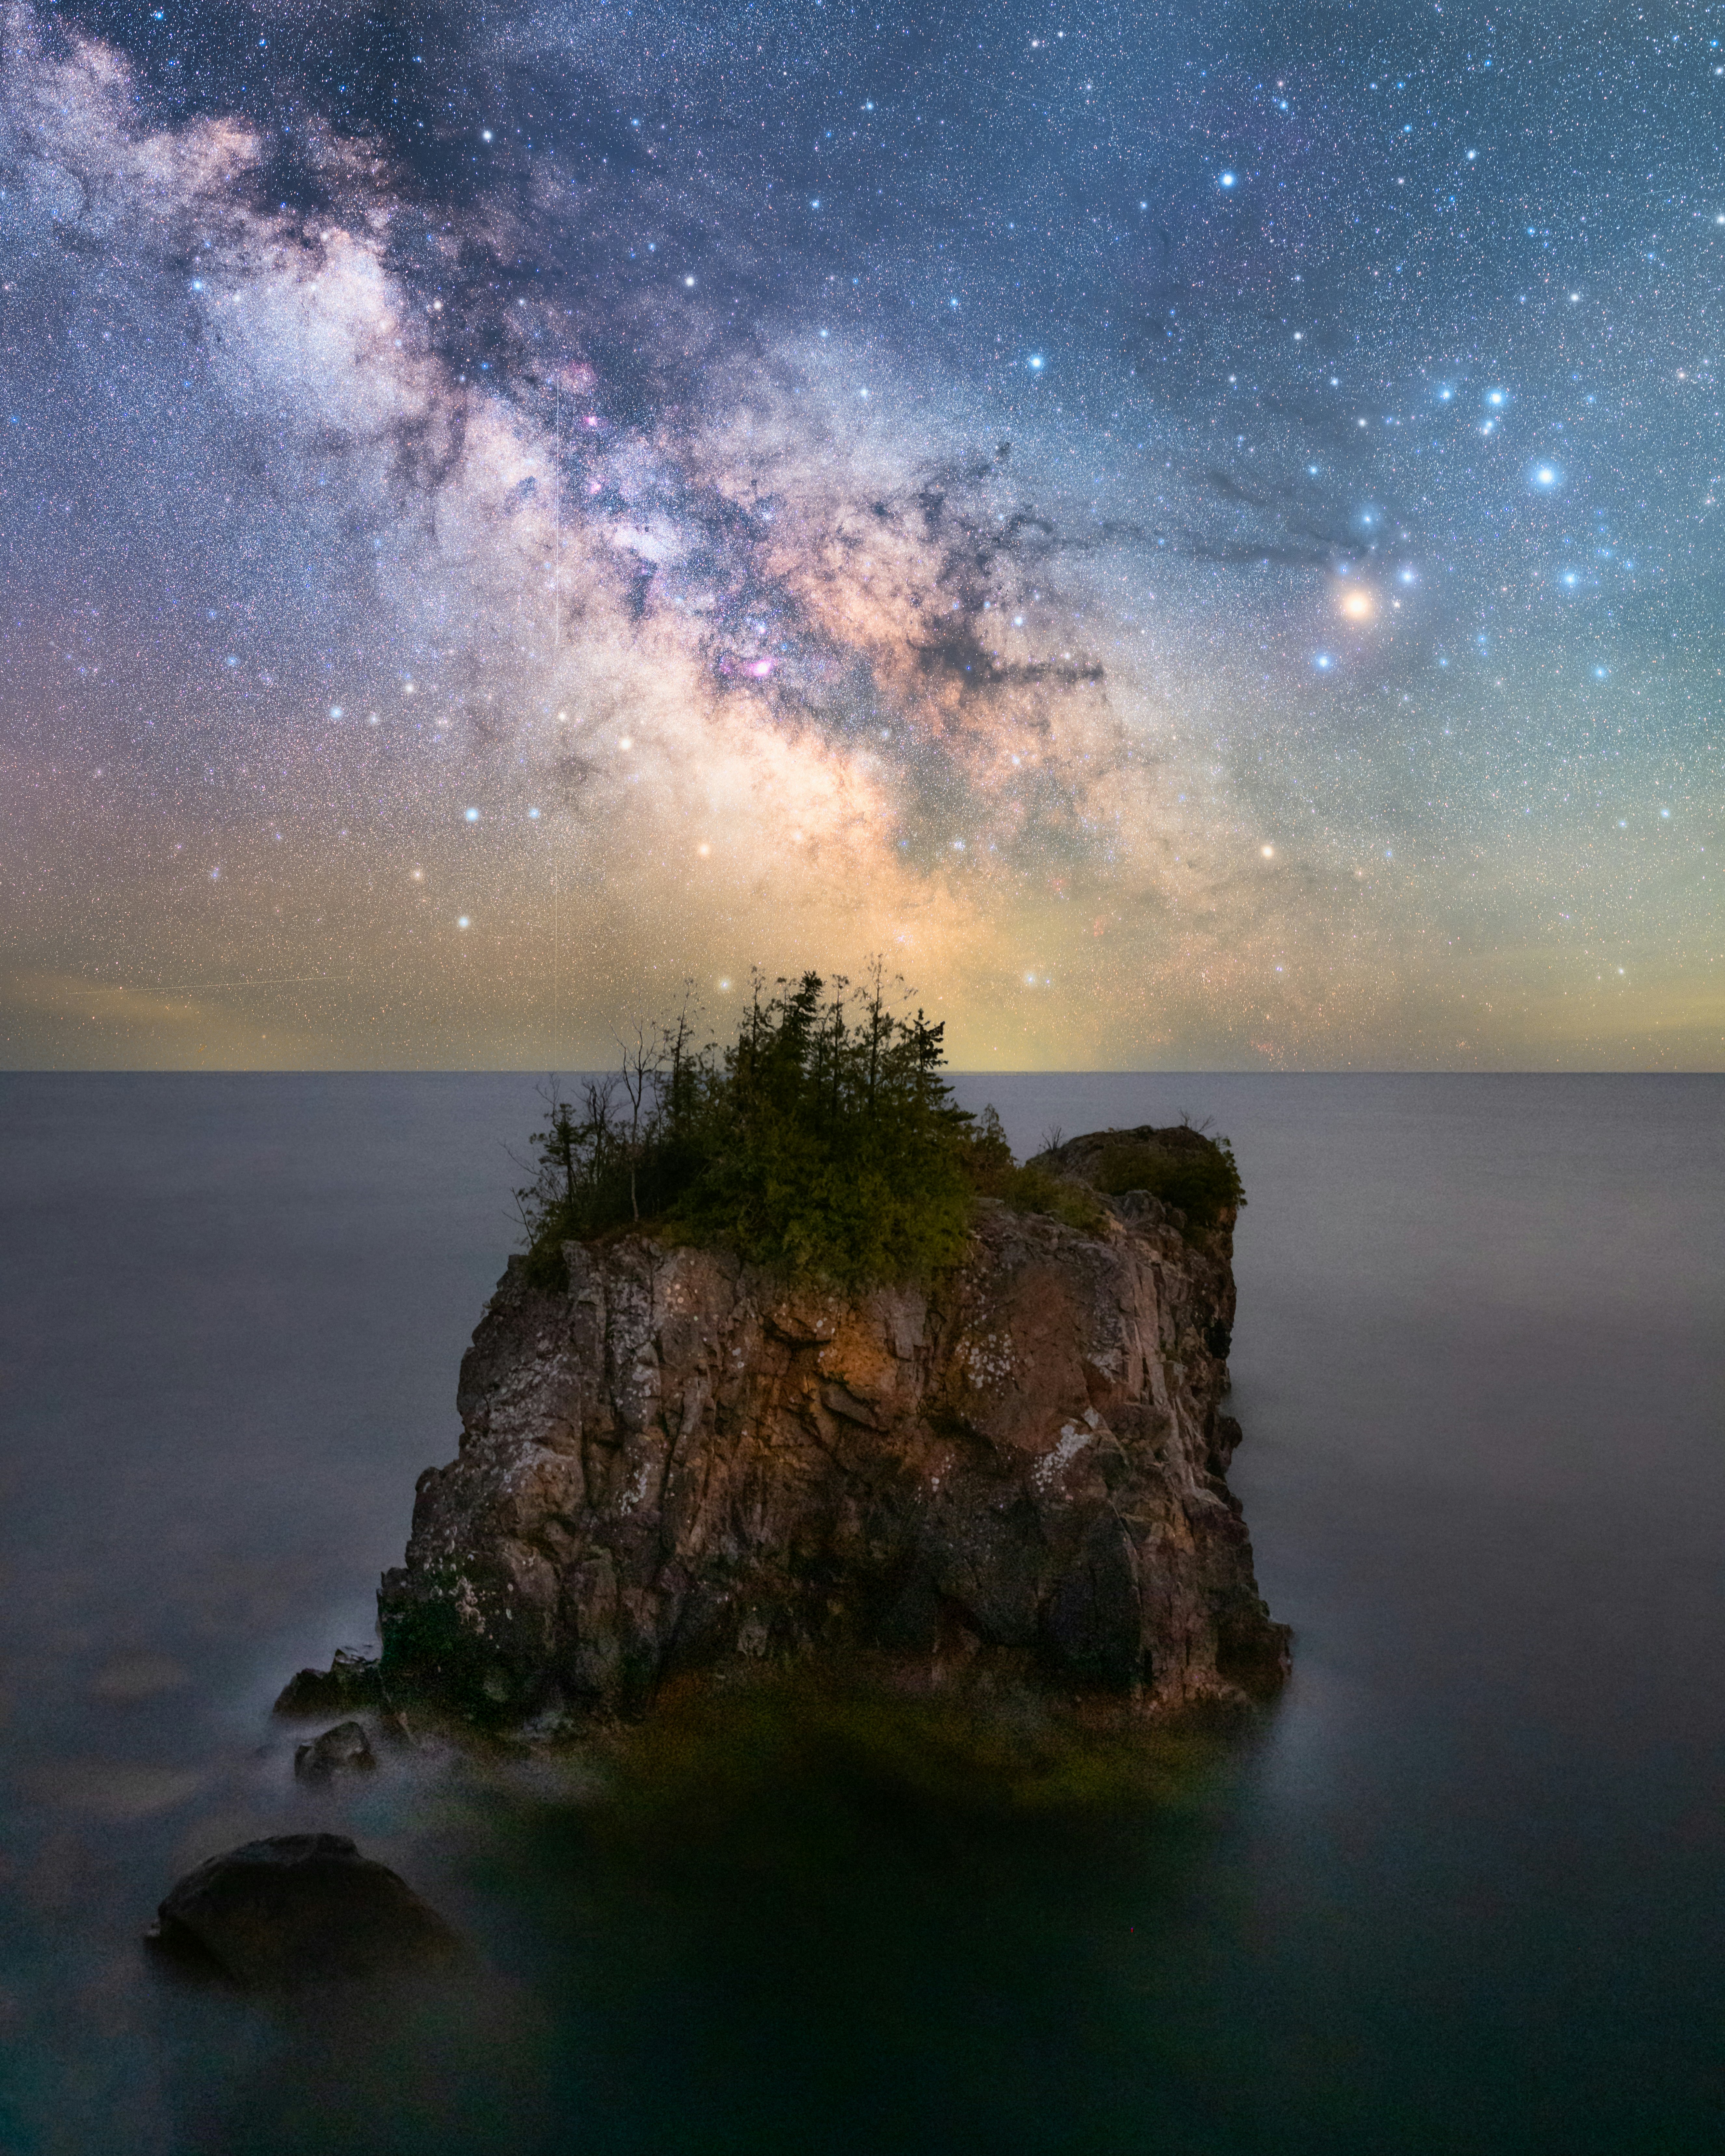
1202	1179
822	1142
1036	1188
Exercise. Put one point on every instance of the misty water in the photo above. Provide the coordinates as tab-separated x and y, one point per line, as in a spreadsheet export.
1462	1890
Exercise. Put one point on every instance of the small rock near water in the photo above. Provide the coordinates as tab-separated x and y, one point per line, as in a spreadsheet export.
342	1750
352	1680
299	1909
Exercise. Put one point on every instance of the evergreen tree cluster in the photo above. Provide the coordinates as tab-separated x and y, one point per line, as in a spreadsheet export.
822	1141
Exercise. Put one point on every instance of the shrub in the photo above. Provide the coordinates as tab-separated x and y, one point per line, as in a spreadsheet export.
988	1158
1202	1179
1032	1189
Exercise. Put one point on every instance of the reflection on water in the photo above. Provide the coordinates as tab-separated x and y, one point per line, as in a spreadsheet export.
779	1920
834	1925
1461	1891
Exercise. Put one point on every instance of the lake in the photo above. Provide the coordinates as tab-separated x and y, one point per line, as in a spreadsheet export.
1463	1889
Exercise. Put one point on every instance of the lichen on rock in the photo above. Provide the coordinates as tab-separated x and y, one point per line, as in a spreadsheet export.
681	1466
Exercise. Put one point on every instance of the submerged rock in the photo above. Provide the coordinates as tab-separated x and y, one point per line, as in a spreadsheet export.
299	1909
683	1465
343	1750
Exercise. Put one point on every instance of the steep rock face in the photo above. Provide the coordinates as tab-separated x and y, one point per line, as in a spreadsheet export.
682	1464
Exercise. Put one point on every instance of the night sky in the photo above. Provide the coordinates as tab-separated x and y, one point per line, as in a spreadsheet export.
1194	531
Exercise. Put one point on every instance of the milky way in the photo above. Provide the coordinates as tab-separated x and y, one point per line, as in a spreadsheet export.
1194	533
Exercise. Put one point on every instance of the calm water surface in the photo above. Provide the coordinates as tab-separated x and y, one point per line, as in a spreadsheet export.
1465	1892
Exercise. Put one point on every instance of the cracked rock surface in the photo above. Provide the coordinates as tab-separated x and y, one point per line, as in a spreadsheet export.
681	1465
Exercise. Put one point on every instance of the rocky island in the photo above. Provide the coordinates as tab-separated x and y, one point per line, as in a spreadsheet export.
799	1369
676	1463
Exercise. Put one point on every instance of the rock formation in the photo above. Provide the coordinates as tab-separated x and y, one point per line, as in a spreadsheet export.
351	1680
301	1908
1013	1477
346	1749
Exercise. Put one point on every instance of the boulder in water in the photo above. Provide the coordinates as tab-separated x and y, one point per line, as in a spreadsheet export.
299	1909
343	1750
